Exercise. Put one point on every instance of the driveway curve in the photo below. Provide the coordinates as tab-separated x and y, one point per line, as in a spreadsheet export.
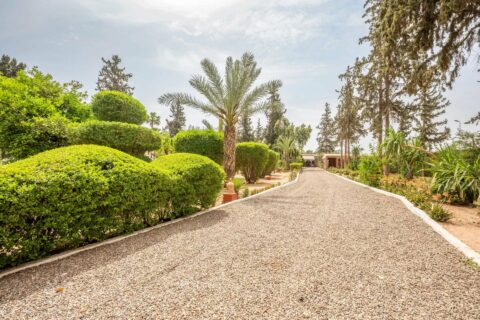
321	248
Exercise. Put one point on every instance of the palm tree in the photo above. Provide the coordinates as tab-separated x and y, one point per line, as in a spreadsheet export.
287	147
153	120
226	98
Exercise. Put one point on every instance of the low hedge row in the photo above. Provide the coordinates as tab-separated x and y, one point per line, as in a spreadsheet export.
66	197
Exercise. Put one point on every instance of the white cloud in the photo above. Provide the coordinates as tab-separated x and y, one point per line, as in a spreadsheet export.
269	21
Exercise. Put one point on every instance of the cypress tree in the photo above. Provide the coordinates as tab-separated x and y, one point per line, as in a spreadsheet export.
113	77
326	135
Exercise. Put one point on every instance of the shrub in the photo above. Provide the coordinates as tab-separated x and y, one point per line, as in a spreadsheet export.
198	180
370	170
246	193
207	143
118	106
238	183
438	213
70	196
455	176
129	138
273	158
251	159
296	166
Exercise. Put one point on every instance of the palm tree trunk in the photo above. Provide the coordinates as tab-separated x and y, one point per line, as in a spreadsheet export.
229	151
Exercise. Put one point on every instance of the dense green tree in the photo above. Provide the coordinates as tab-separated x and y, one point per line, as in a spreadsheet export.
302	135
177	118
153	120
9	67
118	106
274	112
114	78
227	97
438	33
326	136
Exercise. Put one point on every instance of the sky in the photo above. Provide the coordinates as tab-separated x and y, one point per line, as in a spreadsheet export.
304	43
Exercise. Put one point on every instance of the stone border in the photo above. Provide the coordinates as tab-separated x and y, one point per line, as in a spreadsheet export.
437	227
68	253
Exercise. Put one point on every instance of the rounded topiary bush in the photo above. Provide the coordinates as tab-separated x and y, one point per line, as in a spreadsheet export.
197	180
251	159
207	143
127	137
118	106
272	162
69	196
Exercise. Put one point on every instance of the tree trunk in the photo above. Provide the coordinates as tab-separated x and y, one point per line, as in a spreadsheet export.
229	151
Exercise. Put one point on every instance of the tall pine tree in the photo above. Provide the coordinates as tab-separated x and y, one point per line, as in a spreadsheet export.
113	77
326	137
259	131
178	119
430	104
246	129
274	113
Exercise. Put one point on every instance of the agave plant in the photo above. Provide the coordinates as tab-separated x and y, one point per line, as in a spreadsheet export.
454	175
226	98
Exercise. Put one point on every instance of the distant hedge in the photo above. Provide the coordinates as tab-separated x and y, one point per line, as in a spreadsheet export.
129	138
118	106
197	180
207	143
70	196
251	159
272	163
296	165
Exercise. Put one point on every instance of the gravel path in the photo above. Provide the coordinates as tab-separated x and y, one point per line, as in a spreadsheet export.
322	248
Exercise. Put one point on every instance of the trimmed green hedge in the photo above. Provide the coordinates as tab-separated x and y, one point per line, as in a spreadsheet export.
207	143
272	162
129	138
296	165
251	159
197	180
118	106
70	196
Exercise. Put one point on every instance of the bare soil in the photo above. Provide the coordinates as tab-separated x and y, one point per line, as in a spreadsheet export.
464	224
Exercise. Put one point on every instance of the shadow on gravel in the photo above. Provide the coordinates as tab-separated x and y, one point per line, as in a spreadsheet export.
26	282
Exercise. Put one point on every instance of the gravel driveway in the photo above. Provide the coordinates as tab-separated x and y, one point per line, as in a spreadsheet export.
322	248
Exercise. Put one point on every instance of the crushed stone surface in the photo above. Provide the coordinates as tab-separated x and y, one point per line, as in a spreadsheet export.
321	248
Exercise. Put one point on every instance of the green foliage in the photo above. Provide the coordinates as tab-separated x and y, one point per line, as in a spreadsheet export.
203	142
127	137
251	159
246	193
70	196
408	156
455	176
118	106
272	162
26	102
370	168
9	67
438	213
197	181
238	183
296	166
